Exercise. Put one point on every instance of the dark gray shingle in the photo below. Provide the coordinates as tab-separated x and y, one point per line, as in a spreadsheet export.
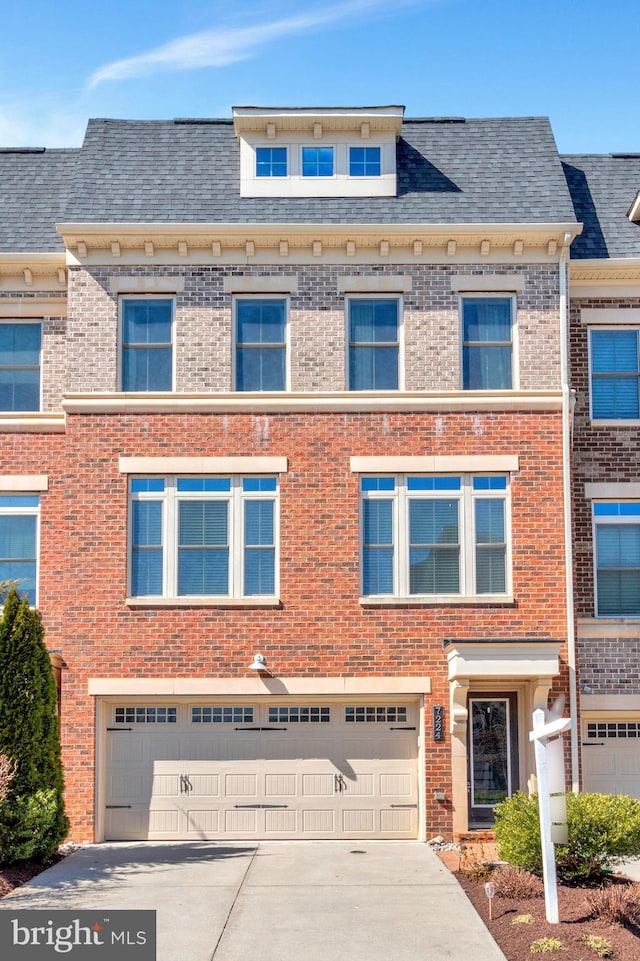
34	185
475	171
603	188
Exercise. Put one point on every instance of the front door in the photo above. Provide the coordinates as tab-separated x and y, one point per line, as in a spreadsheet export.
493	754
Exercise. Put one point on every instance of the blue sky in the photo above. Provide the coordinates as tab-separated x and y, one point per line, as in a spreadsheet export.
572	60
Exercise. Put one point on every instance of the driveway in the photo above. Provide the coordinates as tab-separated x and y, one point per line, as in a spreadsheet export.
275	901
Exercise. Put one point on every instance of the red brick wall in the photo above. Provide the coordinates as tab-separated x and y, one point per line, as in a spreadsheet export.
84	561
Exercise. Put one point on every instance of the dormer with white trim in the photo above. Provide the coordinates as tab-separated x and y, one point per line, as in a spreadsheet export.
318	151
634	210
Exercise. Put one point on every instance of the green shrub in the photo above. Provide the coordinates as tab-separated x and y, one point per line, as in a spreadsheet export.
29	737
29	828
602	827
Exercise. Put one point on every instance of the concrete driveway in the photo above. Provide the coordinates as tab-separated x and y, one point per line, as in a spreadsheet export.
275	901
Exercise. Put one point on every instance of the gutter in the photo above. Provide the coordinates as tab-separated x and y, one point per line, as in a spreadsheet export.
568	402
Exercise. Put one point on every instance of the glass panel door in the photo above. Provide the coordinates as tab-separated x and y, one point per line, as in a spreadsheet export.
490	753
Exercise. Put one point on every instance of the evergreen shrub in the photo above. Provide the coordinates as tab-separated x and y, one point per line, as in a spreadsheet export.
602	827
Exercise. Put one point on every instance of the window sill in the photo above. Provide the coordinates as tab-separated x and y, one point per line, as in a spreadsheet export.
206	601
610	422
437	600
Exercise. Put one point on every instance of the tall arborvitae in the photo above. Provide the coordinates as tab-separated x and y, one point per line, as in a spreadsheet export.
29	724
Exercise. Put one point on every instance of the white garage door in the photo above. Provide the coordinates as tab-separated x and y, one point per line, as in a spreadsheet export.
611	756
252	770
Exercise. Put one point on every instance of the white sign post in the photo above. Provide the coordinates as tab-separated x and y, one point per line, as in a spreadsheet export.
550	773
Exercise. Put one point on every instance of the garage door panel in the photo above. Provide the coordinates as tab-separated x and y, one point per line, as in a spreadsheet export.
202	822
362	785
318	821
397	822
281	785
318	785
204	785
241	822
611	755
122	748
316	775
165	785
240	785
358	821
396	785
126	824
281	822
164	821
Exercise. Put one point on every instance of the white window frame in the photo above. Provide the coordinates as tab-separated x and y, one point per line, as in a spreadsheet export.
616	421
467	498
318	146
14	322
605	521
234	338
271	146
236	497
376	296
133	297
31	511
491	295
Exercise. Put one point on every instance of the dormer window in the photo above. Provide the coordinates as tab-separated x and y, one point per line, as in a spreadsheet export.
364	161
317	161
271	161
318	151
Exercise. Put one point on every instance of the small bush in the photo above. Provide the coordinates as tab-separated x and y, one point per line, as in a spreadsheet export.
600	945
514	882
602	827
473	864
546	946
29	828
523	919
616	903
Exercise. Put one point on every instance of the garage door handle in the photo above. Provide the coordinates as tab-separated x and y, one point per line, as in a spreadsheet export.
260	729
112	807
119	729
591	744
402	728
403	805
254	807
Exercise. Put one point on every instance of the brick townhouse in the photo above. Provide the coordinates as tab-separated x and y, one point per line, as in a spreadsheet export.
605	372
284	433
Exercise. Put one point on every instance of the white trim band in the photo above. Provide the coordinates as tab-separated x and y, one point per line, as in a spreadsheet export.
468	464
620	491
24	482
202	465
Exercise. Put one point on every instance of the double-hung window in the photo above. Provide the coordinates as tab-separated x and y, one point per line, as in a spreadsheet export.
261	325
147	354
20	345
434	535
271	161
203	537
374	345
615	373
487	343
617	558
317	161
19	542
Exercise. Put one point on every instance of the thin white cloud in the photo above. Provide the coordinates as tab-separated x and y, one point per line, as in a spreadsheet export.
221	47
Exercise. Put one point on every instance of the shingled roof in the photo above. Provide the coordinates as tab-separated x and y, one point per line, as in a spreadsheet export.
34	185
467	171
449	171
603	188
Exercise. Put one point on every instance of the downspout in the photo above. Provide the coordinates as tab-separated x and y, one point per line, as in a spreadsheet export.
567	421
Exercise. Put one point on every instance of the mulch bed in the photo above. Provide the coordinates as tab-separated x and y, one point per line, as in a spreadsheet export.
515	939
16	875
